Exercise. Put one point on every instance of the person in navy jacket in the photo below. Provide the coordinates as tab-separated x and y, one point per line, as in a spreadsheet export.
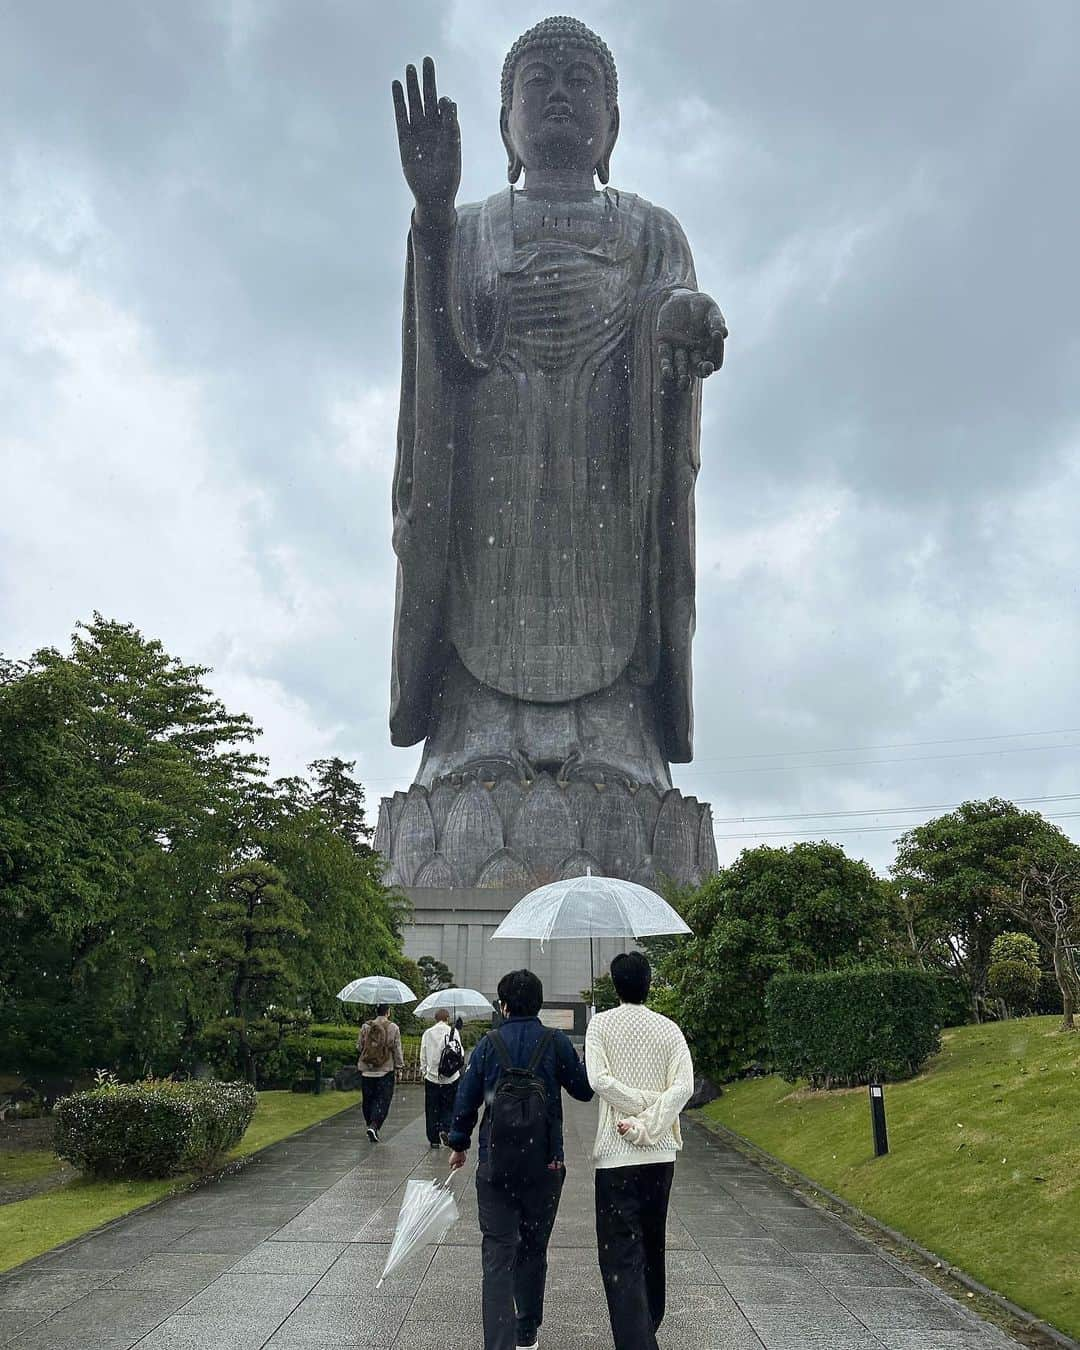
517	1225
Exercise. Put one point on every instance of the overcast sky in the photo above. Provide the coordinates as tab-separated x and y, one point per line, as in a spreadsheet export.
202	224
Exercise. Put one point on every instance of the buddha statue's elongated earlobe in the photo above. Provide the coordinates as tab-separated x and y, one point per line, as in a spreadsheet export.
514	166
603	164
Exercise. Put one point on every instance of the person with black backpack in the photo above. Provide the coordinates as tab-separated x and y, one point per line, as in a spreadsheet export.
518	1072
442	1057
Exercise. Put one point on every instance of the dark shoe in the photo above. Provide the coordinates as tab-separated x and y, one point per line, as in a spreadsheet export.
373	1134
444	1139
435	1145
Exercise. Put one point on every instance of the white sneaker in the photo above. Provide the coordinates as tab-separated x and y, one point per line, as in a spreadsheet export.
373	1134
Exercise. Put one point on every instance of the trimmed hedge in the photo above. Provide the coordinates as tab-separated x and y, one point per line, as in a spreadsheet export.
845	1027
151	1129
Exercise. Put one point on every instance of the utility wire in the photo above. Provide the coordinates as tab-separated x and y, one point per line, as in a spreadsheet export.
897	745
871	763
858	829
883	810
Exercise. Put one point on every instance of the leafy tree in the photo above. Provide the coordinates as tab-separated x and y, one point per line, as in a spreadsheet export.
434	974
118	767
1049	901
341	799
350	916
127	790
249	944
953	872
800	909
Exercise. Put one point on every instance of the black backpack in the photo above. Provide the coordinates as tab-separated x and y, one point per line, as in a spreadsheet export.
519	1146
452	1057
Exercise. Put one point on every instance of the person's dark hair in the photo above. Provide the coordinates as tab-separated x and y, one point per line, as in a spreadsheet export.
561	31
631	975
522	993
382	1009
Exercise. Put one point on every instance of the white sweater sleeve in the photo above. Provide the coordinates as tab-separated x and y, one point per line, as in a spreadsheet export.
426	1047
623	1099
649	1124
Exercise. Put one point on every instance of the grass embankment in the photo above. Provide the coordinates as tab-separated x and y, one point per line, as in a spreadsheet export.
30	1227
984	1161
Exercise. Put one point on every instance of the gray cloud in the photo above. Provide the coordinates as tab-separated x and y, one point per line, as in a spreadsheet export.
201	236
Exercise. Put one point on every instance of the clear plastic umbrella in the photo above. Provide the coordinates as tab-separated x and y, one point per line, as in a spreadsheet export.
590	907
465	1003
428	1212
376	989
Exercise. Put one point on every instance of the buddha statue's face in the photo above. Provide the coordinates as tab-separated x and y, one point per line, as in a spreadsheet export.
559	117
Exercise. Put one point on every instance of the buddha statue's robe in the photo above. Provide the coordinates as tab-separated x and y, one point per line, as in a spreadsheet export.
543	493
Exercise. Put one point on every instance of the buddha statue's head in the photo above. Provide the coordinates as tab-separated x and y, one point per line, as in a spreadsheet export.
559	100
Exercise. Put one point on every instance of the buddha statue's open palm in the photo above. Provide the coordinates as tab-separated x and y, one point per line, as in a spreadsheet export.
430	142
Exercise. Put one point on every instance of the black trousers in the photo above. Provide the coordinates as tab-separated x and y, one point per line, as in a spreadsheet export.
631	1233
516	1229
376	1096
438	1108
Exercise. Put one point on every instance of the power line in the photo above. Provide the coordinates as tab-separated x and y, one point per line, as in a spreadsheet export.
883	810
871	763
858	829
896	745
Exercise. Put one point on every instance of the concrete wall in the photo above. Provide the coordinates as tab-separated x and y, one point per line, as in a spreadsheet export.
455	926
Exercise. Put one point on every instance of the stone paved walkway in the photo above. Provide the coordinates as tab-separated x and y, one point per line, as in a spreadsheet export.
285	1254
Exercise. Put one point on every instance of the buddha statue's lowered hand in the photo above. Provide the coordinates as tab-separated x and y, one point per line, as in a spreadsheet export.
690	333
430	142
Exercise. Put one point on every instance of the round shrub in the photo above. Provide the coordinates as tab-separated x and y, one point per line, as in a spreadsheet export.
1016	983
844	1027
153	1128
1014	947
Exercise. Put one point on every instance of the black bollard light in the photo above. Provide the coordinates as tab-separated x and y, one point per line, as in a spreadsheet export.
877	1119
318	1074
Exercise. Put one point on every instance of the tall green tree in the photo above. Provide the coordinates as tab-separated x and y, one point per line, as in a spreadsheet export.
953	873
350	914
804	908
117	768
340	798
249	946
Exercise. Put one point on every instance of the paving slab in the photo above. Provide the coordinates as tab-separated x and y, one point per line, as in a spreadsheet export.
287	1254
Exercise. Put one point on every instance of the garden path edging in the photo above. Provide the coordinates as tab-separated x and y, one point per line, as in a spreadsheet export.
235	1165
1029	1323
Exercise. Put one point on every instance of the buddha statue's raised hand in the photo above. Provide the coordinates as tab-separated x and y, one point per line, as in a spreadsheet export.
430	143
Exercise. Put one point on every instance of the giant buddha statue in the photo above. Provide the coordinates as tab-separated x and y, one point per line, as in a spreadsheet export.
555	343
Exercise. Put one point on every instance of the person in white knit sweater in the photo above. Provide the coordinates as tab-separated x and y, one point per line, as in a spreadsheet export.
640	1067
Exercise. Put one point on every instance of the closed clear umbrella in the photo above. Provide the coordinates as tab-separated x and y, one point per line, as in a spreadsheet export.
590	907
376	989
428	1212
465	1003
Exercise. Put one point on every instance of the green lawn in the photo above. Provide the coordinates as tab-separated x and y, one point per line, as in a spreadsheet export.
984	1167
18	1166
30	1227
